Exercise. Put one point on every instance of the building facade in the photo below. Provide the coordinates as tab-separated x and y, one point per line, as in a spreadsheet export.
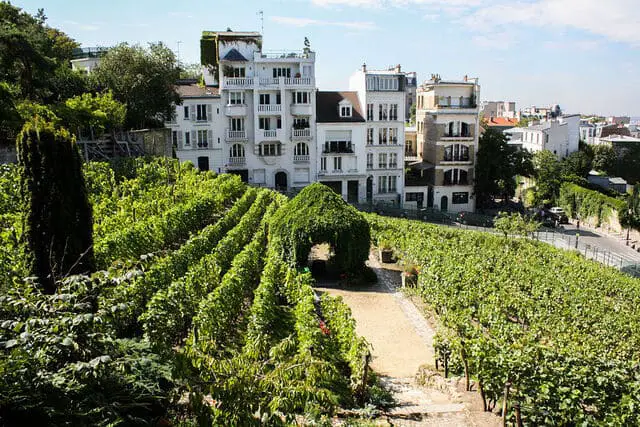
383	97
499	109
447	130
260	112
341	147
559	135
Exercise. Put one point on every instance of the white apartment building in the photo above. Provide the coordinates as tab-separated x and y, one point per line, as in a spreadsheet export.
382	95
559	135
197	131
86	59
260	113
341	148
447	130
493	109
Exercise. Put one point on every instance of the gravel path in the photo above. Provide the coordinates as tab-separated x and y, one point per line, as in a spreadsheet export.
402	342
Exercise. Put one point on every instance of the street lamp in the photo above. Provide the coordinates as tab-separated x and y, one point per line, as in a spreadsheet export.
629	225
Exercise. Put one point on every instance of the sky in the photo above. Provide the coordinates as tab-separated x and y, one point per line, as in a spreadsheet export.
581	54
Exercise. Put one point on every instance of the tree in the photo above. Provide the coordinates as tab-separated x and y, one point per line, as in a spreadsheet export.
604	158
577	163
143	79
548	172
523	122
497	165
58	220
630	218
412	114
516	224
100	112
627	161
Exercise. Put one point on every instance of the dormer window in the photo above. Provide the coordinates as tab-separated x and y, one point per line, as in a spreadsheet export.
345	111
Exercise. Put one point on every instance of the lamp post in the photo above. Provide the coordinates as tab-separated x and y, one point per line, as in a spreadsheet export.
629	226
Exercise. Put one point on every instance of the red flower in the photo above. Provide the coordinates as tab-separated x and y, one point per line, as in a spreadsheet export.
324	328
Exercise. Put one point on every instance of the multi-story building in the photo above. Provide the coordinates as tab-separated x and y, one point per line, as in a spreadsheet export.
560	135
411	85
447	123
495	109
197	131
260	114
85	59
382	95
341	147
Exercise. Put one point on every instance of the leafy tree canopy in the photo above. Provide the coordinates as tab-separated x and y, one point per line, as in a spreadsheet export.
548	174
144	79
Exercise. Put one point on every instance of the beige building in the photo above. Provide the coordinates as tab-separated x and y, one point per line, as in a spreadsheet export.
447	129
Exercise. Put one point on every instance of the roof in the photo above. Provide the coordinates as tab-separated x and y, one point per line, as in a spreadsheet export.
621	138
327	107
614	130
501	121
196	91
617	180
234	55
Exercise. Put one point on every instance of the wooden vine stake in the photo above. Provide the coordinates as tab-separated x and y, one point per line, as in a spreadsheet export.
505	403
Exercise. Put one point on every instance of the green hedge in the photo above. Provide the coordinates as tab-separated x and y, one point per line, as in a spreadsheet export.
576	200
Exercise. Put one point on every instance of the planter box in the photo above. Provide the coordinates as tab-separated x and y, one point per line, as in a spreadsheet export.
409	280
386	256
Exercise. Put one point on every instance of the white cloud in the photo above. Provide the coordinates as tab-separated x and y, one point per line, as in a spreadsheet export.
93	26
305	22
615	20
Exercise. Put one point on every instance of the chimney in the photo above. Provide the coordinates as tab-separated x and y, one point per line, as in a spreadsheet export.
364	68
398	68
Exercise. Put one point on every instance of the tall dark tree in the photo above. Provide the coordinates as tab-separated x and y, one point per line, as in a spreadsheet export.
143	79
577	163
497	165
604	158
58	219
548	174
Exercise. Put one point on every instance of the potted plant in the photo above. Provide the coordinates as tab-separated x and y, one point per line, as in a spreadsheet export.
410	275
297	76
385	252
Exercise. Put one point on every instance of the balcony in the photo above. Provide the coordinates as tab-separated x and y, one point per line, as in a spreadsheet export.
237	82
301	159
270	134
237	161
235	110
270	108
263	81
298	81
300	134
457	137
236	135
301	109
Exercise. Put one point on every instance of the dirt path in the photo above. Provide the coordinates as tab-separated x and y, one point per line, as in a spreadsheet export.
402	342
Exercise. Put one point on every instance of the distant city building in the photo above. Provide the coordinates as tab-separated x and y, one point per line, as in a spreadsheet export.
619	120
498	109
86	59
592	133
382	95
411	83
500	123
560	135
613	183
447	130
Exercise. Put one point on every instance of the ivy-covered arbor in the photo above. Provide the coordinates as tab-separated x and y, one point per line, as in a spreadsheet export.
319	215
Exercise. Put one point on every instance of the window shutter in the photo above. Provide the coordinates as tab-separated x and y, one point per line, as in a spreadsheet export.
210	137
179	140
209	112
192	112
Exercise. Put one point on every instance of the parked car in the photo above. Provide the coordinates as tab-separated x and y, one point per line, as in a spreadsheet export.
560	215
469	218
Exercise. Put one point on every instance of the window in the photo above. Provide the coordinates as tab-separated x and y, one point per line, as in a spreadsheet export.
414	197
264	123
382	112
393	184
455	177
456	153
393	112
201	112
460	198
186	112
270	149
383	83
382	160
236	124
369	160
278	99
370	136
393	160
174	138
345	111
382	136
301	149
281	72
265	99
382	184
323	164
237	72
393	135
203	163
236	150
369	111
338	147
187	139
203	141
279	123
301	123
337	163
236	98
301	98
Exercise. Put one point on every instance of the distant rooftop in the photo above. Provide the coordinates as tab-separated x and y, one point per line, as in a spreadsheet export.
194	90
89	52
327	107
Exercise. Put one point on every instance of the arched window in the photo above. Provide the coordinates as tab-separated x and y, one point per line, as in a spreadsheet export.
236	150
301	149
456	177
456	153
